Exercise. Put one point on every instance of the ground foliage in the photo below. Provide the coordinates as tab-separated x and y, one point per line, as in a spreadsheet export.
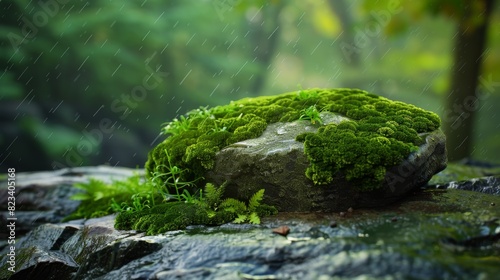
145	206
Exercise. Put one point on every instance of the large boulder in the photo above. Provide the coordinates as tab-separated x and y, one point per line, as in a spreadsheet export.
317	149
276	162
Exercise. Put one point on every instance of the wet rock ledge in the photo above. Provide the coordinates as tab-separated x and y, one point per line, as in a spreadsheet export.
436	233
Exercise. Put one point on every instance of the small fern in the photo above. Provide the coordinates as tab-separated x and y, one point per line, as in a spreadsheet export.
244	213
100	198
240	219
213	195
93	190
255	200
254	218
233	205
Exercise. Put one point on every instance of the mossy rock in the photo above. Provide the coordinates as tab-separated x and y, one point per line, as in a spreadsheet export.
317	149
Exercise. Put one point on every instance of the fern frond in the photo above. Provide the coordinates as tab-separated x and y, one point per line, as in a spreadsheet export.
233	205
93	190
213	194
255	200
210	193
81	196
210	213
241	219
254	218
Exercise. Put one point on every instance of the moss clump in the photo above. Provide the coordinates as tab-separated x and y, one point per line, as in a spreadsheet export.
207	210
169	216
382	133
178	215
362	151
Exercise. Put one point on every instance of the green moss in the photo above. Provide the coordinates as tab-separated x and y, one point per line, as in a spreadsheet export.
381	134
207	210
163	217
176	215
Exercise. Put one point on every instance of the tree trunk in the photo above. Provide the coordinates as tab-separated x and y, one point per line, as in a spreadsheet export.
461	103
266	34
343	12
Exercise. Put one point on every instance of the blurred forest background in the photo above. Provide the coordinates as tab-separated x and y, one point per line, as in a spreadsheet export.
91	82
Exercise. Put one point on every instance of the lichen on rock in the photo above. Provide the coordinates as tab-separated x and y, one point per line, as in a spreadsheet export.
377	134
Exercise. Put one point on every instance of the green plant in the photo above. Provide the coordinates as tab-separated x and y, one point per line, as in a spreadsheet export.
212	198
245	213
145	204
306	94
99	198
171	180
212	202
208	209
176	126
310	113
138	203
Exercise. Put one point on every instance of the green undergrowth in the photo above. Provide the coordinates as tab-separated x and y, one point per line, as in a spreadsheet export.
381	134
145	205
100	199
210	211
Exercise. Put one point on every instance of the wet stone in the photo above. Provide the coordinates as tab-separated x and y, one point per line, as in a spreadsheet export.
276	162
439	234
488	185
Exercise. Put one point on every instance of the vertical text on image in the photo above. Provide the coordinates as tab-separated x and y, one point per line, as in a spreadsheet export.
11	219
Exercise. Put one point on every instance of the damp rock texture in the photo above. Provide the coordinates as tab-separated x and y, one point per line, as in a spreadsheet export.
43	197
276	162
489	185
433	234
311	150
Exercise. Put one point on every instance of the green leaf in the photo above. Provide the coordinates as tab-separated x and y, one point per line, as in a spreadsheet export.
234	206
98	195
255	200
241	219
210	213
213	195
254	218
81	196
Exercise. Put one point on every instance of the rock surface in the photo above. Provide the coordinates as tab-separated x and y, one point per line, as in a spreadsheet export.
488	185
276	162
42	197
484	178
436	234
